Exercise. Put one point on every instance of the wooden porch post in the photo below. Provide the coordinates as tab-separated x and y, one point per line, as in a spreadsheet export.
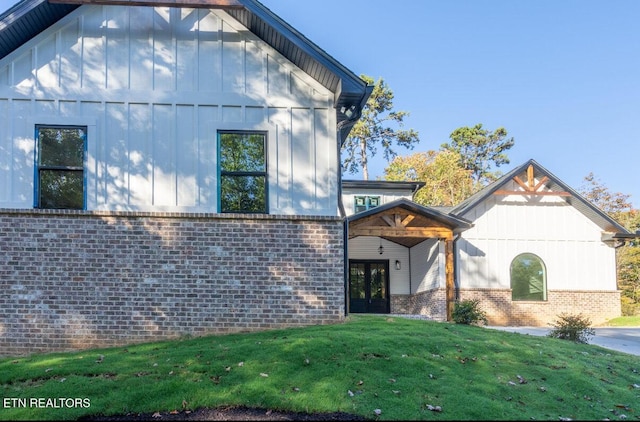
448	270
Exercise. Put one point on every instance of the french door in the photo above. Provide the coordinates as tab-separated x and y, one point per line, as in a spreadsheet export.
369	286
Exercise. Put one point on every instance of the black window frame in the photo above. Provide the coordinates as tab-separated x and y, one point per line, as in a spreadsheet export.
262	174
40	168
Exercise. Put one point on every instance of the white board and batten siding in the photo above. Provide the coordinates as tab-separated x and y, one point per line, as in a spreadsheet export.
153	86
421	267
386	196
427	266
567	241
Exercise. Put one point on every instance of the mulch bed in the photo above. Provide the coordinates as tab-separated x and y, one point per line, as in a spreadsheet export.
228	414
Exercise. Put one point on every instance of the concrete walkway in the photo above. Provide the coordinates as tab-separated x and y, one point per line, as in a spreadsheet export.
621	339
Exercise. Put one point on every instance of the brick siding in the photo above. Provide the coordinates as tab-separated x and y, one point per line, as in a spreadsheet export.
598	306
74	279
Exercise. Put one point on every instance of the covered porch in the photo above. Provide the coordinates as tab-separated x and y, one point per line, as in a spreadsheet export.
401	260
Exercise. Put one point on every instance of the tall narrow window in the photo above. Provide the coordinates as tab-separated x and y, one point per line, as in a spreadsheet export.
60	180
528	278
243	172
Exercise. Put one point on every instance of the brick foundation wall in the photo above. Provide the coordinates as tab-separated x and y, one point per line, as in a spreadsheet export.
430	303
73	279
598	306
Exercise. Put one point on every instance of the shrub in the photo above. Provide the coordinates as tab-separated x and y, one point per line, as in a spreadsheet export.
468	312
576	328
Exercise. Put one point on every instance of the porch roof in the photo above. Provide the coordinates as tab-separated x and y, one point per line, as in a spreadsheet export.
406	223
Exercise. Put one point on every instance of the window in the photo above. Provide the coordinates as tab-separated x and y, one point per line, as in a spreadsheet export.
528	278
363	203
243	172
60	182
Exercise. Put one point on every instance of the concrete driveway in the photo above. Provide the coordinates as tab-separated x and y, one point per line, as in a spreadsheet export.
621	339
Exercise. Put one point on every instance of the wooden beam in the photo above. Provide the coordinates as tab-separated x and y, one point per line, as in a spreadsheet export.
206	4
388	220
540	183
530	177
521	183
449	278
408	219
414	232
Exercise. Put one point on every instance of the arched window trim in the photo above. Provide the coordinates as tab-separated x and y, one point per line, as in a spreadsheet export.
522	294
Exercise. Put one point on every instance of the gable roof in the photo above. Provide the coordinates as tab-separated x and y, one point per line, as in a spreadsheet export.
27	18
404	222
455	223
592	212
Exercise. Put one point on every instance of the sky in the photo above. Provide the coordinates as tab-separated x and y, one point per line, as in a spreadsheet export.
561	76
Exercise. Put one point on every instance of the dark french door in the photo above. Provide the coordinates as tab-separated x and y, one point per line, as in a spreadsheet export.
369	286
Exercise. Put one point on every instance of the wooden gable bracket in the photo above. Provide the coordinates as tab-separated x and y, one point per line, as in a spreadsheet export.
396	226
530	187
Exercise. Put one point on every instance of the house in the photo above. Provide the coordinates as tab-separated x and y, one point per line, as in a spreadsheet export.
168	168
528	247
172	168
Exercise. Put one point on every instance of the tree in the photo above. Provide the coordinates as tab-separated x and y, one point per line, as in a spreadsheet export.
374	130
599	195
446	182
628	264
479	149
617	206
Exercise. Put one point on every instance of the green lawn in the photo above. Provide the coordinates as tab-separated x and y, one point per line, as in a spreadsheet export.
625	321
402	367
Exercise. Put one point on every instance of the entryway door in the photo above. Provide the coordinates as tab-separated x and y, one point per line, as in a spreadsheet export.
369	286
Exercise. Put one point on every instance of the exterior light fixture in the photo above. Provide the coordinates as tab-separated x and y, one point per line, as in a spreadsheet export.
397	264
380	248
348	111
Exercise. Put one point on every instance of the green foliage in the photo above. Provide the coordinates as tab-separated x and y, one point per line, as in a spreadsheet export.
576	328
468	312
624	321
379	127
398	365
446	182
479	149
618	207
599	195
628	264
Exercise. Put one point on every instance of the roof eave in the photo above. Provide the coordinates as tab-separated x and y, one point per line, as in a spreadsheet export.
457	224
27	18
586	207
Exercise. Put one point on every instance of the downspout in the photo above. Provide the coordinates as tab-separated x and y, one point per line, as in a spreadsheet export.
343	215
345	223
345	232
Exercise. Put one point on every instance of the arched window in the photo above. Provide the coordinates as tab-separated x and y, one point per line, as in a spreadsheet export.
528	278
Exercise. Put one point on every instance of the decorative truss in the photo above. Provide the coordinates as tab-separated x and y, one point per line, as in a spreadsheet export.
530	187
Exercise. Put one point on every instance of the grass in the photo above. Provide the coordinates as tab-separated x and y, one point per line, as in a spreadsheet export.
625	321
397	365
